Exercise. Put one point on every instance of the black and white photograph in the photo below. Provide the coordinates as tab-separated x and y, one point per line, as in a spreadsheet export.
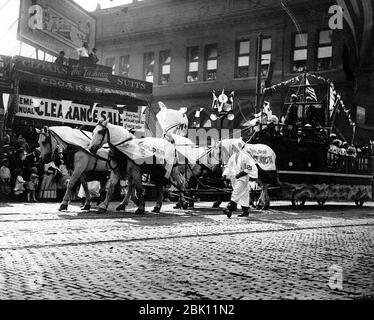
200	151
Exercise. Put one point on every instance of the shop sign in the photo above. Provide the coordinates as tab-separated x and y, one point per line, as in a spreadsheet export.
90	74
80	114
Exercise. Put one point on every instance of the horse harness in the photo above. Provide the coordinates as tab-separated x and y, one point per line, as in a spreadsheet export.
112	146
70	150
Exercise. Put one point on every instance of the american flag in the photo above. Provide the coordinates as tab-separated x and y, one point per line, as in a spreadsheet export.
333	99
151	122
309	91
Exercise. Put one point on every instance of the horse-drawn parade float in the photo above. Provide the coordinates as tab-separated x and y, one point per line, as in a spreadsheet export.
314	160
300	158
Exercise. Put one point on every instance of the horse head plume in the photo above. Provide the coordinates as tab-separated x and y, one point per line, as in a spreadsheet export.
103	122
162	105
172	120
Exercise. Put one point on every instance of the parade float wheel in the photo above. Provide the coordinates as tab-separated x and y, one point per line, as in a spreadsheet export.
321	202
298	203
359	203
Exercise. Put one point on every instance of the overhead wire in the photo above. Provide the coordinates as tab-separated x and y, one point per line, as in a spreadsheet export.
4	5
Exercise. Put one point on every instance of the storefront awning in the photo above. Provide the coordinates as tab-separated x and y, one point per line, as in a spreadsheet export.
93	81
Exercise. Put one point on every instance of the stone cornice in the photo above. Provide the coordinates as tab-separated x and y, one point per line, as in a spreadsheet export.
236	17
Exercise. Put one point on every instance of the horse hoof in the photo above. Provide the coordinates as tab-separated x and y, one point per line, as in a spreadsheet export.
87	207
177	206
267	206
140	211
185	206
121	207
63	207
156	210
101	210
228	213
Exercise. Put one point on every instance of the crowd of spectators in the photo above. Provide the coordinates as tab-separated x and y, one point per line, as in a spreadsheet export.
24	176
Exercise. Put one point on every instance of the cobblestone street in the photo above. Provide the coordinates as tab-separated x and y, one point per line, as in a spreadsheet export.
283	253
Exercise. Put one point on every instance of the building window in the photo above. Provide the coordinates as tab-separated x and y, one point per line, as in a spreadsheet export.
265	56
242	59
110	62
165	61
192	64
324	54
300	52
124	66
211	56
149	63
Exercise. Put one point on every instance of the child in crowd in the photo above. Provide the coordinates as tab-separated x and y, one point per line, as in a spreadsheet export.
19	187
32	184
5	187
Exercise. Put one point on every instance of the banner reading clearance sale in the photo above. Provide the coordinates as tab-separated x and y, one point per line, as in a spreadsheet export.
55	110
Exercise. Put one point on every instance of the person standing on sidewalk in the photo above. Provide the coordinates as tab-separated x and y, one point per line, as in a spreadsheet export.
5	176
241	169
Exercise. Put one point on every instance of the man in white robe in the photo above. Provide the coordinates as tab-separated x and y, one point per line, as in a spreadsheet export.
241	169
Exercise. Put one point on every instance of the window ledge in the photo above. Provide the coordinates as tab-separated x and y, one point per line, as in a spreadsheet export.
199	82
161	85
244	79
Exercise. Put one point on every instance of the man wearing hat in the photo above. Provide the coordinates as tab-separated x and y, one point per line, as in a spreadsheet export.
6	138
93	57
241	169
83	54
291	115
314	113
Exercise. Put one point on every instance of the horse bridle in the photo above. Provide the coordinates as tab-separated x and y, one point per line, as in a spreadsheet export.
48	137
106	131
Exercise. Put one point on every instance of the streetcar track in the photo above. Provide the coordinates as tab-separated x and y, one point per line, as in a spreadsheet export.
173	237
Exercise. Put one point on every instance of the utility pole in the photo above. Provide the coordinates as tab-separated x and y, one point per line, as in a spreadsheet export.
258	73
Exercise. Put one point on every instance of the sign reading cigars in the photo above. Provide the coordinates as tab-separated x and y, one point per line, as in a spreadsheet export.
96	75
55	110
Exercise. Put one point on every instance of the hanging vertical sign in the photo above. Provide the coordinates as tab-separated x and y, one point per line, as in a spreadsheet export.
134	120
4	68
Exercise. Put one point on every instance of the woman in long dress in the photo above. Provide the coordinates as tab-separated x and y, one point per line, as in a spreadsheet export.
48	186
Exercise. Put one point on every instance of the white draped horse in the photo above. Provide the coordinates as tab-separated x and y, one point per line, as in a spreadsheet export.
154	156
73	143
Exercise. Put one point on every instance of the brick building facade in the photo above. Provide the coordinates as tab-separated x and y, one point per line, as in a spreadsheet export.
189	48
